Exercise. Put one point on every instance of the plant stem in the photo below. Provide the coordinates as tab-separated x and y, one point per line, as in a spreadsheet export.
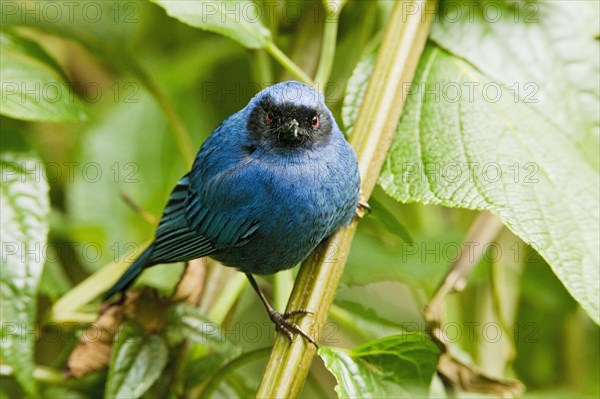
396	63
328	47
483	230
180	133
454	373
89	289
86	291
288	64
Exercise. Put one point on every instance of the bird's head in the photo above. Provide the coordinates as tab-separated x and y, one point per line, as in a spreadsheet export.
289	114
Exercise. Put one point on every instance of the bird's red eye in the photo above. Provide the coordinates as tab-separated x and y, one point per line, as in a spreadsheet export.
315	121
269	117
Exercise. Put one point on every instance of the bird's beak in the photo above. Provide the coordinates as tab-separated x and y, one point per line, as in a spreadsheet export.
293	127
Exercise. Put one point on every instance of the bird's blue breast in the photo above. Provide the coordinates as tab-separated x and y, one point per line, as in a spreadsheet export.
271	207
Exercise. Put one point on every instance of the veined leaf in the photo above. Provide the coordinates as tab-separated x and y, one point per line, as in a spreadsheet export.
238	20
501	155
136	364
355	379
468	141
395	366
535	49
186	321
24	208
32	85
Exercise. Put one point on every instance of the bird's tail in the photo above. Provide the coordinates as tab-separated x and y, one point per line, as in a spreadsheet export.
131	273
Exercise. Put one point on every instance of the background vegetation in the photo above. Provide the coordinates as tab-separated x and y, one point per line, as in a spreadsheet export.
105	103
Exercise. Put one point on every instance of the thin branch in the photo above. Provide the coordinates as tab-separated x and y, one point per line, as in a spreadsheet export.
144	214
91	288
328	47
288	64
455	373
483	230
397	60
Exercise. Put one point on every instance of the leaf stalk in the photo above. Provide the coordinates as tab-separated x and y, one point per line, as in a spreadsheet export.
314	290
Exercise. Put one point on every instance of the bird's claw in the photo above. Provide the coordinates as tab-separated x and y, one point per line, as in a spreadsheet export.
291	313
283	325
362	209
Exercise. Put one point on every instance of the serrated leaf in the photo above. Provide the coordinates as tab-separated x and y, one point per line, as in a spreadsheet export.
535	49
408	360
355	379
24	208
238	20
512	161
137	362
186	321
395	366
32	86
472	149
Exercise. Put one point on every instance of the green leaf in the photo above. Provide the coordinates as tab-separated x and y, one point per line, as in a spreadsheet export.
362	321
556	69
389	221
355	378
357	85
24	208
91	22
405	359
502	156
187	321
201	368
460	144
372	260
238	20
137	362
398	365
32	85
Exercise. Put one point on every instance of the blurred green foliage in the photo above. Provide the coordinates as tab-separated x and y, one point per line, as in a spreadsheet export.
132	81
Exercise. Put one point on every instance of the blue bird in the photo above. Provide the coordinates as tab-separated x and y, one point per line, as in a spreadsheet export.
268	185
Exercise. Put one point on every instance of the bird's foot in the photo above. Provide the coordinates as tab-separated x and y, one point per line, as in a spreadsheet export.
281	321
283	325
362	209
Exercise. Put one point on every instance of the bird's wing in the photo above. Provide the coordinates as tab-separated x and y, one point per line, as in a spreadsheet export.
224	207
175	241
201	218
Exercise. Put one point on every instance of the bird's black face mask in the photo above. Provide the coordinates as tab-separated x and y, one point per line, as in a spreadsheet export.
288	124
